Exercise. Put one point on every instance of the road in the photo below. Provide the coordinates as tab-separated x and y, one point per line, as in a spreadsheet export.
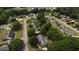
25	36
69	29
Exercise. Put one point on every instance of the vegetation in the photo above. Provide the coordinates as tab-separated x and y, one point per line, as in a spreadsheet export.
33	41
41	10
13	20
31	32
16	26
3	34
45	28
32	37
41	19
68	11
3	17
57	41
54	34
67	44
18	12
16	45
18	34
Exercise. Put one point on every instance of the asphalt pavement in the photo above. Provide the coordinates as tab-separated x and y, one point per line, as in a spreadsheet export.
68	28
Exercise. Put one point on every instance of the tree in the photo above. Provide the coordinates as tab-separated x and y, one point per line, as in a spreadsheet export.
33	41
54	34
41	18
74	15
16	45
18	12
67	44
68	11
45	28
3	18
16	26
31	32
13	20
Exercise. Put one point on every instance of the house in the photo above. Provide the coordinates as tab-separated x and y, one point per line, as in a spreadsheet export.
4	48
41	41
10	35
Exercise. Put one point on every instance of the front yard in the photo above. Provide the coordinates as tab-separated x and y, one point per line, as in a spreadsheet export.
18	34
3	34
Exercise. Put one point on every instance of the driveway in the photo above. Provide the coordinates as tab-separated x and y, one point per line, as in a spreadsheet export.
25	36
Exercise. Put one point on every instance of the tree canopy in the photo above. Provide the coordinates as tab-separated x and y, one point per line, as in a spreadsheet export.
16	26
67	44
54	34
68	11
45	28
33	41
3	17
16	45
41	19
31	32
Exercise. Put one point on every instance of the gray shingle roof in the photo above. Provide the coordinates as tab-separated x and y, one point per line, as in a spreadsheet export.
10	34
41	40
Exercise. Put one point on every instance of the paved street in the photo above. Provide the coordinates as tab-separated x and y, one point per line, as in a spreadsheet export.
25	36
69	29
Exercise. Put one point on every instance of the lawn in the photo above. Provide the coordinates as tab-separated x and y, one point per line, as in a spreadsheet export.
18	34
3	34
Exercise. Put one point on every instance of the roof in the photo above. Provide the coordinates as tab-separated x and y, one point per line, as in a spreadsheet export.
10	33
41	40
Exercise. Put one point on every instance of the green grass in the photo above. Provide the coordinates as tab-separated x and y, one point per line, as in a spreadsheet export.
3	33
18	34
